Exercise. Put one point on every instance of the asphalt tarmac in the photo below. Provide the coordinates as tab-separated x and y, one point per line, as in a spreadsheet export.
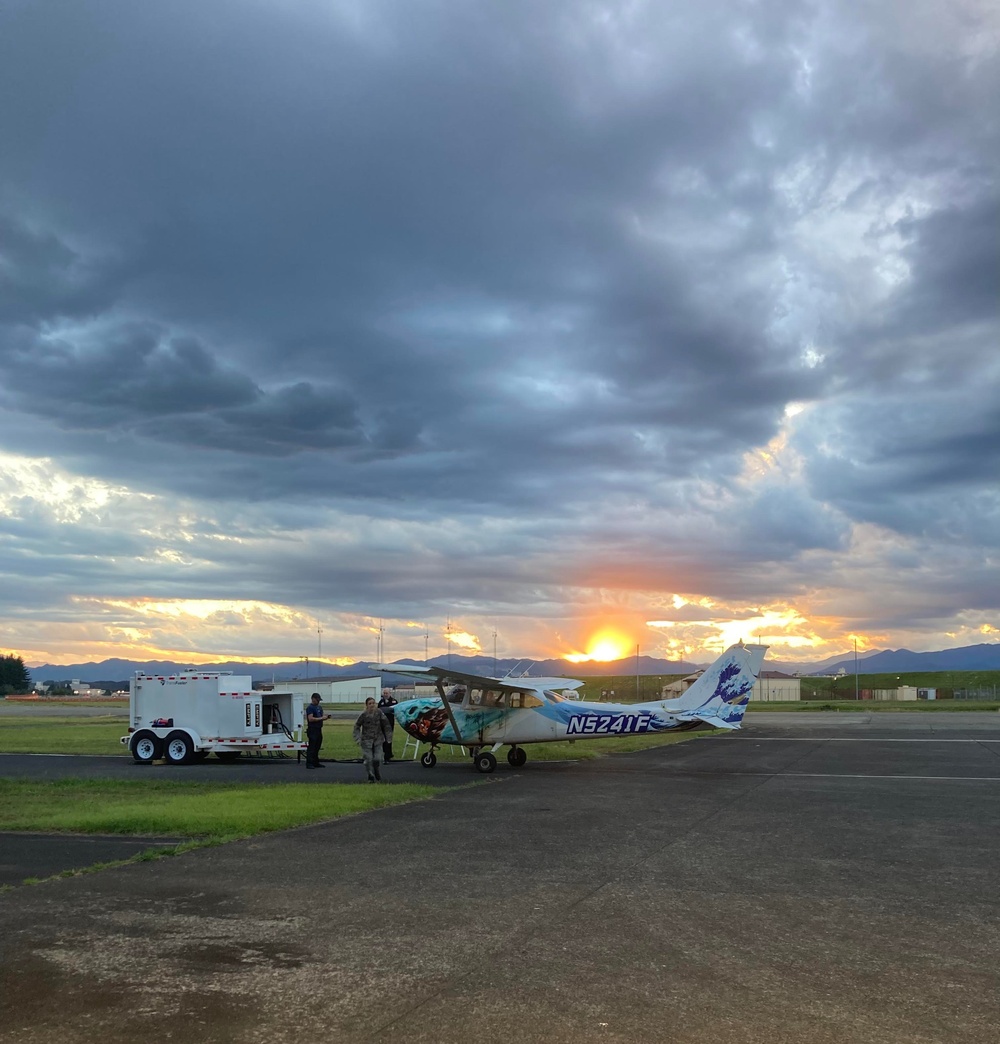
818	882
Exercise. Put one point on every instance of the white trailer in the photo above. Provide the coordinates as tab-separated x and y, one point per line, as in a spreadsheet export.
185	717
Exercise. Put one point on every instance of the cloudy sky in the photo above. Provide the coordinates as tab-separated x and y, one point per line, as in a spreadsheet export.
564	327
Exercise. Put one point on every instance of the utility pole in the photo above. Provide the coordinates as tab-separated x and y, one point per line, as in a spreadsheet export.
855	668
319	646
637	672
494	652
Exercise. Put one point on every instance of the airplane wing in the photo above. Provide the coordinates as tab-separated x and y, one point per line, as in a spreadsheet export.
475	681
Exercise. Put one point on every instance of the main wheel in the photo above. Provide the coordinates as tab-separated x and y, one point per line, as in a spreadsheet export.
429	760
179	748
146	747
485	762
516	756
228	755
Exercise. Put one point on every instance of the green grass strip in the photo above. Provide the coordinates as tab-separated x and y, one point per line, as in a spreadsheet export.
220	811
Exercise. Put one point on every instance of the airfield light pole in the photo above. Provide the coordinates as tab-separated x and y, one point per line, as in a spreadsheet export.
760	680
494	652
855	668
637	673
319	647
427	635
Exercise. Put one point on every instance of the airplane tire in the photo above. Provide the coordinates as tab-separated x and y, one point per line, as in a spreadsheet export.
485	762
178	749
146	747
429	760
516	757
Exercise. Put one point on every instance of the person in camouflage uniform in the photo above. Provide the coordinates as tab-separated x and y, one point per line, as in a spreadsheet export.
371	730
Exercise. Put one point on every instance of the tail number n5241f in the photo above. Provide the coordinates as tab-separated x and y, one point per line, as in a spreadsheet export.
606	724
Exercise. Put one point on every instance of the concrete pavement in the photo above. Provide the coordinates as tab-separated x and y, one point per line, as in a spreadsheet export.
785	885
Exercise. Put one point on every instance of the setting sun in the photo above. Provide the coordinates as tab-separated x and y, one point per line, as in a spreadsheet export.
603	647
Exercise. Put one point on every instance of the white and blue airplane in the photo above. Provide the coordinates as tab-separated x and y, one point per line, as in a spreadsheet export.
483	714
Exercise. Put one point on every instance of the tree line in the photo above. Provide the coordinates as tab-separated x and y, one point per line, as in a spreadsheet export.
14	677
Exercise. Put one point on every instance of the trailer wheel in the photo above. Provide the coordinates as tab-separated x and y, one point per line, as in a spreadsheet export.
228	755
146	747
179	748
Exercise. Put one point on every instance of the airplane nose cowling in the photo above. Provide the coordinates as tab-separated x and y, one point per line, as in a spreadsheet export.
405	713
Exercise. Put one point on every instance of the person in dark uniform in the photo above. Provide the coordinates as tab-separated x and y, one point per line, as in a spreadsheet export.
385	705
314	731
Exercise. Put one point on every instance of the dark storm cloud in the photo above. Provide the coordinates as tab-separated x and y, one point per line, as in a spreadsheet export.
42	277
955	255
533	263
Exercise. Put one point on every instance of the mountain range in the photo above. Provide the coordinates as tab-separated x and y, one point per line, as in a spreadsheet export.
113	672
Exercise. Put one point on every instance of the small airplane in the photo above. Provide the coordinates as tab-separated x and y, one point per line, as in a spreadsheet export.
483	714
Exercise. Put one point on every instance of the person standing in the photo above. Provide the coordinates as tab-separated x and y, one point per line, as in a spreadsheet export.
314	731
371	731
386	705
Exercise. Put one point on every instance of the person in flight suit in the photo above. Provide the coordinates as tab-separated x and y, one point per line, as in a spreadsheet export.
371	731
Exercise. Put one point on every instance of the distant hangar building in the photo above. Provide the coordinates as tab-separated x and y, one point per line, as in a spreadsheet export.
771	686
775	686
331	690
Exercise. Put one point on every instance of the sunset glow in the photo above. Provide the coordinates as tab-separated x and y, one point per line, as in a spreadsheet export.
603	647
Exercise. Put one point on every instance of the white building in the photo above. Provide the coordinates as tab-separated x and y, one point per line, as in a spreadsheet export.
331	690
912	692
673	689
775	687
82	688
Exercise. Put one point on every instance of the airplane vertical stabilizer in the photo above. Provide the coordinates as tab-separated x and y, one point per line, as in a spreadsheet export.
720	696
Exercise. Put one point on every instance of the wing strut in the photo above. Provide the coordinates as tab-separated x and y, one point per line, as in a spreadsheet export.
451	715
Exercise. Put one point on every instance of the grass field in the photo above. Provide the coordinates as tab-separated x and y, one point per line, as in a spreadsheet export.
217	811
28	735
629	689
887	706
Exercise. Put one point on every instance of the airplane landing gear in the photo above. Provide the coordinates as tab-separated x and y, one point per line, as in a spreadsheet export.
429	759
516	757
484	761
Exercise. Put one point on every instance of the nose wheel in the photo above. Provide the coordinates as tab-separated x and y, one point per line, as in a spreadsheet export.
484	761
429	759
516	757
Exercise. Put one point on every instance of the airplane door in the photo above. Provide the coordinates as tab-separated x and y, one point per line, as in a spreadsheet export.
522	723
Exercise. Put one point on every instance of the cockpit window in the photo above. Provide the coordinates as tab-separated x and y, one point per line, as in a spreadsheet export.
488	698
